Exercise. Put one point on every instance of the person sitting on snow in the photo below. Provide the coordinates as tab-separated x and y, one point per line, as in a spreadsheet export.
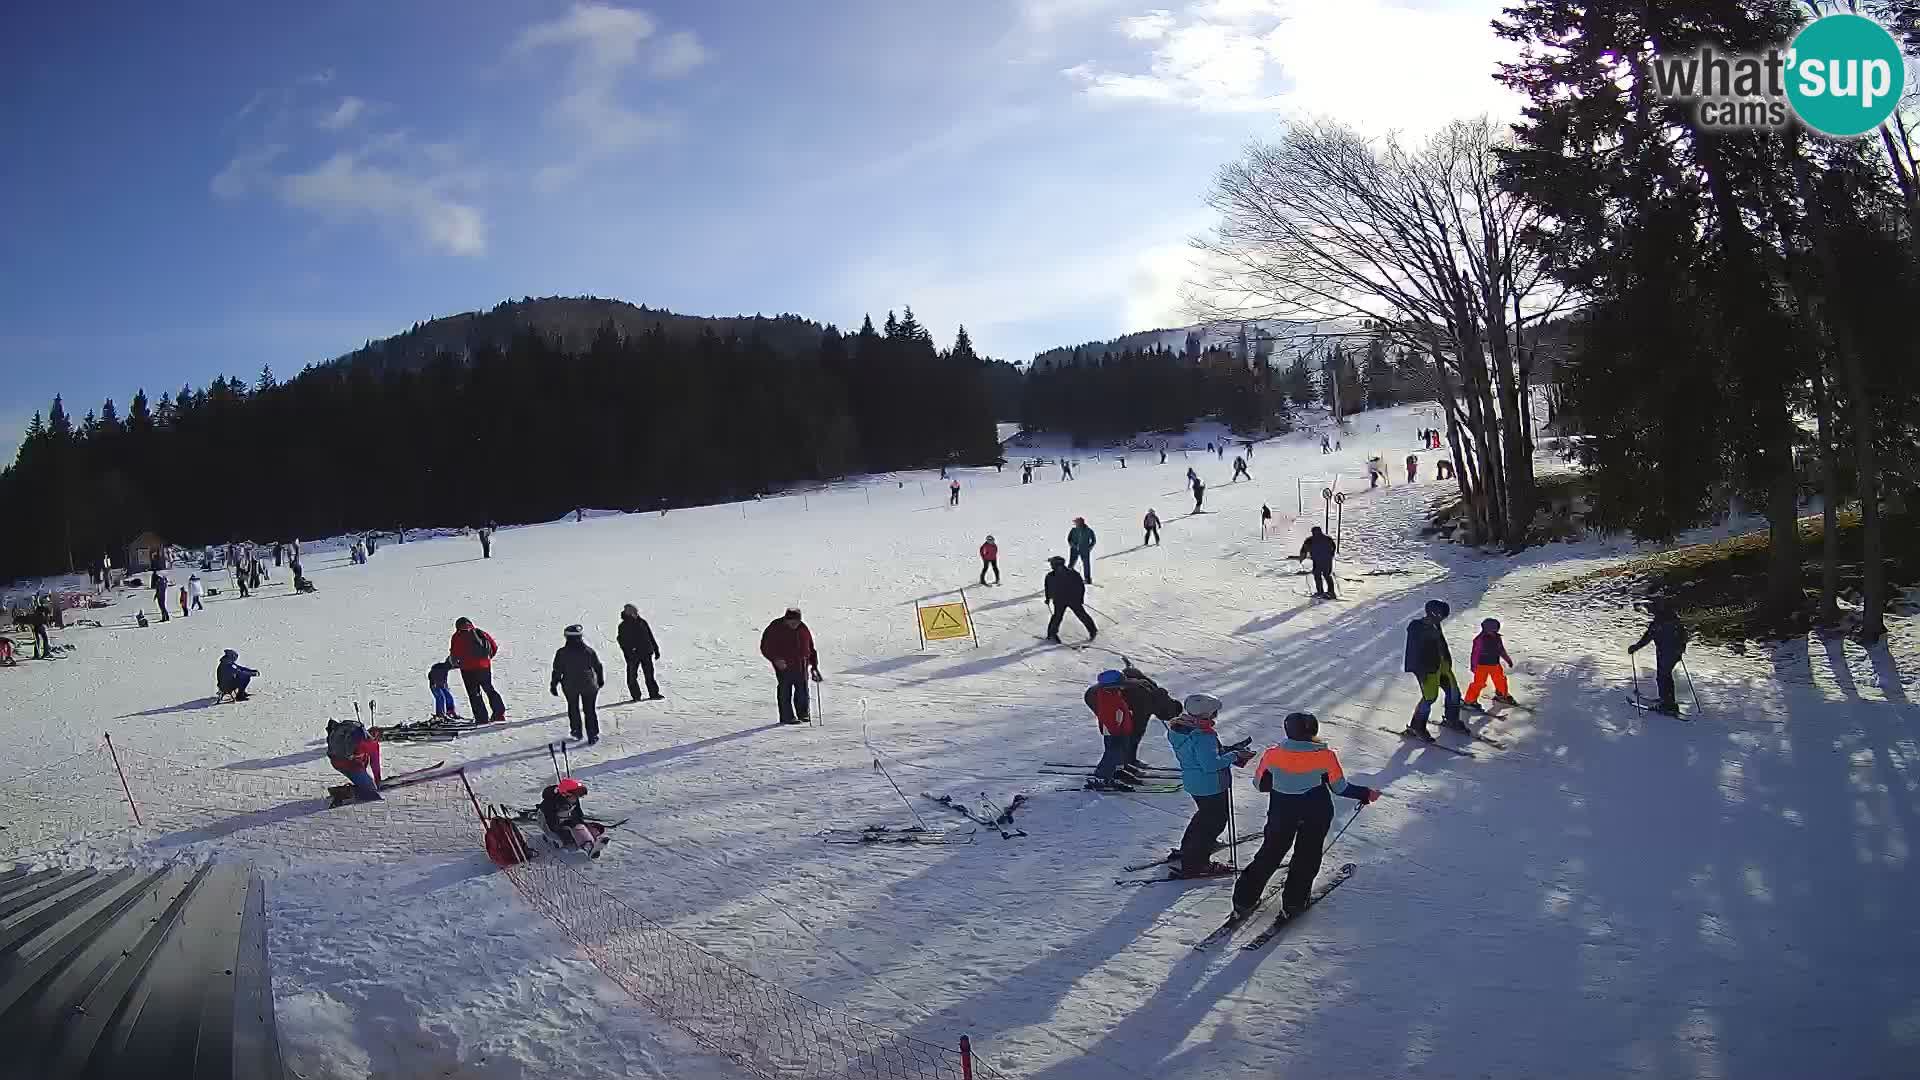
561	816
231	678
356	755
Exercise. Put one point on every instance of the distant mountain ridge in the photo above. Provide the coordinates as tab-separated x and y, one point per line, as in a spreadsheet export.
1280	338
574	320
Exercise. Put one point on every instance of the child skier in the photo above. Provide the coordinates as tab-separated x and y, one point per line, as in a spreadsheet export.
561	816
1203	773
443	707
1298	775
1488	653
1151	525
1669	640
356	755
989	560
1107	699
1413	467
954	498
1239	469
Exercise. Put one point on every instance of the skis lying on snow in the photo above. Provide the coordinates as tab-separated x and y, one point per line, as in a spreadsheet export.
1320	892
1434	743
891	834
341	794
1224	875
999	819
1173	856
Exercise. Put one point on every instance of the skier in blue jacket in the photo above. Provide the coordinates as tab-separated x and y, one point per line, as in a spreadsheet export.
1203	773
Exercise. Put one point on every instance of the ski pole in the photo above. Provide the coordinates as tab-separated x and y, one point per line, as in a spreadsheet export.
1343	830
903	795
820	713
1692	687
1233	827
554	756
1635	661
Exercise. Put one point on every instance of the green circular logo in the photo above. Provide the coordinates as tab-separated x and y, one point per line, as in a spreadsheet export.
1847	75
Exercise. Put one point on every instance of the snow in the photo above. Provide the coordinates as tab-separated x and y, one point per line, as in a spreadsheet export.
1614	893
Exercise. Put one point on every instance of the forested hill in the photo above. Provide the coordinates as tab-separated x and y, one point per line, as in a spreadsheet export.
574	320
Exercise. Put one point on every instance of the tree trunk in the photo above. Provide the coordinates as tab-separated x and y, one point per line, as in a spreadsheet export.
1829	611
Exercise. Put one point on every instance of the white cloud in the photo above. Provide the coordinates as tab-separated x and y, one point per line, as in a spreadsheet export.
1375	64
342	116
247	169
347	186
606	42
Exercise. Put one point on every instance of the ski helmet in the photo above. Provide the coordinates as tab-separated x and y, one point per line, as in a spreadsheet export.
1438	609
989	538
229	655
1491	626
1110	678
570	786
573	632
1201	706
1301	725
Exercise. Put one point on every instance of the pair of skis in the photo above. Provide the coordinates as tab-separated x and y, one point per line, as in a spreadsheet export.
1156	780
342	794
1280	921
994	818
1173	856
891	834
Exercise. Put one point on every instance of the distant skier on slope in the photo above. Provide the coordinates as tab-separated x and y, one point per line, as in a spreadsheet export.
1064	592
576	668
1080	541
1487	654
160	594
1429	661
1026	473
1066	469
1203	775
953	499
640	648
564	820
1669	638
1301	775
1192	477
473	650
1151	526
989	560
1239	469
230	678
356	756
1199	493
788	646
1413	467
1320	548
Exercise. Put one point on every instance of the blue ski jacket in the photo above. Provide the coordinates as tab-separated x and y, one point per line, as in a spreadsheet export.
1203	764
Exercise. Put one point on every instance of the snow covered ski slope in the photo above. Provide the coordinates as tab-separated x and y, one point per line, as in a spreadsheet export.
1612	893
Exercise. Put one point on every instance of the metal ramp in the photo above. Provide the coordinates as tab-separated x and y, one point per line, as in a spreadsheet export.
136	972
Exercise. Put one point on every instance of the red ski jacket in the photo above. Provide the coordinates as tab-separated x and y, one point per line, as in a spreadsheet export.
473	649
793	646
1109	705
989	552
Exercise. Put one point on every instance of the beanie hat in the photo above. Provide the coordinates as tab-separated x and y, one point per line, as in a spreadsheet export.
1201	706
1110	678
1438	608
629	610
462	623
1301	725
1491	626
573	631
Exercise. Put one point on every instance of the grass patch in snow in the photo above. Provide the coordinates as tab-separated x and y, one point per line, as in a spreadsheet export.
1719	587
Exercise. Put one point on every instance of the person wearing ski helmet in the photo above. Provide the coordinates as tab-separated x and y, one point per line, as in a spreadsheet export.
1203	774
1107	700
576	668
1300	775
1669	639
989	560
1429	661
1488	653
231	678
564	820
473	650
1080	541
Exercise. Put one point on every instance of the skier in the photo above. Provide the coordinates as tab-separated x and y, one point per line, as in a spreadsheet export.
195	590
989	560
37	622
1107	699
1325	446
184	612
1247	445
1066	469
1065	592
356	755
638	645
485	533
160	594
1163	453
1199	493
6	652
1203	773
443	707
1148	701
1239	469
1221	453
1373	473
1301	775
1413	466
1320	548
577	667
279	546
1429	661
1026	473
562	818
788	646
473	650
300	583
1151	525
1080	541
953	497
1266	516
1443	470
230	678
1669	638
1488	652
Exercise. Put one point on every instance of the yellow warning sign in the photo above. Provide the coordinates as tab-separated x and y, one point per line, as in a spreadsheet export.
942	621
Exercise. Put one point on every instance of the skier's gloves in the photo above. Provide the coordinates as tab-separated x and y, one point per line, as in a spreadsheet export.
554	690
1372	796
817	677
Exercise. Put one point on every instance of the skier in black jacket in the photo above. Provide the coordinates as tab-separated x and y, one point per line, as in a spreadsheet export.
641	650
1669	638
577	668
1065	592
1320	548
1429	661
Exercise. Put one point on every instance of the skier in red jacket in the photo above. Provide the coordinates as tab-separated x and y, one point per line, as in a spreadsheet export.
473	650
788	646
989	560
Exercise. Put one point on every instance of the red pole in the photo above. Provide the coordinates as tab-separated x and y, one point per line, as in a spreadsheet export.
966	1059
131	805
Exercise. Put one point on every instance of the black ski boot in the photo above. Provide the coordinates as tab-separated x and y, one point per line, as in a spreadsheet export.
1417	730
1454	723
1505	699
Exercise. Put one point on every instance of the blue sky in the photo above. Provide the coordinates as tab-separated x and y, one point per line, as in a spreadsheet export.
200	189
